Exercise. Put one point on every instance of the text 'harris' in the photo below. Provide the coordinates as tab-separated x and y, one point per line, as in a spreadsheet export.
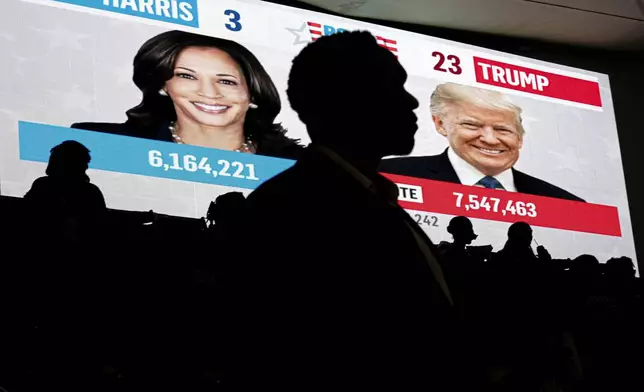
183	12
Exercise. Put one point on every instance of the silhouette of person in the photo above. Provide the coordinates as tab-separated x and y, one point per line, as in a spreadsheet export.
518	249
66	193
338	285
463	266
226	207
523	314
519	235
620	268
619	275
584	281
585	267
460	227
457	259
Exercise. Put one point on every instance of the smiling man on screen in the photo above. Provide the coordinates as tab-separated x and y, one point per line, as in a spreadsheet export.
485	137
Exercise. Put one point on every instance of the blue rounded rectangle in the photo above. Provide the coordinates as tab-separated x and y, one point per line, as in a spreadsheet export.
153	158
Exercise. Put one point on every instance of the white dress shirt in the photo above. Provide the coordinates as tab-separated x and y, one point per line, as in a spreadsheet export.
469	175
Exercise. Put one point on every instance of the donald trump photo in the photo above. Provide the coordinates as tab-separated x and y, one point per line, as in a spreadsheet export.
485	134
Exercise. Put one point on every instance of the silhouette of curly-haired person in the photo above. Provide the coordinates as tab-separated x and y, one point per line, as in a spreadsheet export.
620	281
620	340
620	269
339	285
65	195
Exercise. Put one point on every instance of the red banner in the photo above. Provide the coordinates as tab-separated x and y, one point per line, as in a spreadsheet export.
537	82
482	203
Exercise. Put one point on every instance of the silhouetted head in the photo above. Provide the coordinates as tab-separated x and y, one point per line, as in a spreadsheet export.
227	207
70	159
461	229
520	234
176	69
585	266
350	93
620	267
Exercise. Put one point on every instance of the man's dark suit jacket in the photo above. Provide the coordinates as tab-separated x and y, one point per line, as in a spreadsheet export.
439	168
332	290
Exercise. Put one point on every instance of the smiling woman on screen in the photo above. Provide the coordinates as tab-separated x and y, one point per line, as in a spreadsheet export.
204	91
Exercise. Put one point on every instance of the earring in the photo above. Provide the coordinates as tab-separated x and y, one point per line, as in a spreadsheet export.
162	92
253	105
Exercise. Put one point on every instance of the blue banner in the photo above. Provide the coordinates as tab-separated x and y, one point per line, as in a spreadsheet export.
182	12
153	158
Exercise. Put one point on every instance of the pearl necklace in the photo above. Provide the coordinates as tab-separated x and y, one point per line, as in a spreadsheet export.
246	146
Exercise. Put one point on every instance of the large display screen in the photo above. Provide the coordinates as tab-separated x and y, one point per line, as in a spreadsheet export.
501	138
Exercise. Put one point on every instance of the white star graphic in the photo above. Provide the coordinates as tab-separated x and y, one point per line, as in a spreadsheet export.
572	115
612	149
121	74
74	100
7	36
62	37
298	33
568	160
18	61
10	114
118	23
528	122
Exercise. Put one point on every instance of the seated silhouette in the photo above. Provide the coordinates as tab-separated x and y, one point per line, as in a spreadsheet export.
461	229
619	279
530	350
517	248
66	193
620	268
226	208
337	284
463	265
585	276
585	267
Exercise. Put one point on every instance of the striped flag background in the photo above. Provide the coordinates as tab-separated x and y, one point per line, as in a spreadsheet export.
315	29
388	44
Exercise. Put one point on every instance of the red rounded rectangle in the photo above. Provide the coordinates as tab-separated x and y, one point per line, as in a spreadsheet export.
547	84
482	203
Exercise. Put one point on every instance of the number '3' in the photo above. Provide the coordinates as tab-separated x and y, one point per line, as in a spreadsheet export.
234	20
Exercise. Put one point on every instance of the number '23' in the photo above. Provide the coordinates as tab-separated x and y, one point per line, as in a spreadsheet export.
234	20
455	63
